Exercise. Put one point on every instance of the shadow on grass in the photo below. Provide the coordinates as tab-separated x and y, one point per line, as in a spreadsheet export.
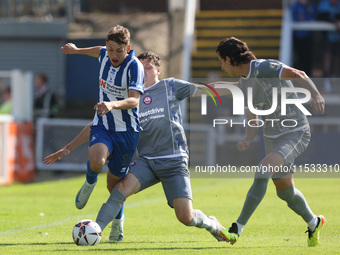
102	242
117	246
28	244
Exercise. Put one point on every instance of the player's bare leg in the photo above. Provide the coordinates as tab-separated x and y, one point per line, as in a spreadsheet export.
183	210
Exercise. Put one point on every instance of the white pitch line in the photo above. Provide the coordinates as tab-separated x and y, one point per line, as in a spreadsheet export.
132	205
44	225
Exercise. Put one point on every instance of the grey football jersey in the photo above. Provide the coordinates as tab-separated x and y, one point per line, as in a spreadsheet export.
161	119
263	76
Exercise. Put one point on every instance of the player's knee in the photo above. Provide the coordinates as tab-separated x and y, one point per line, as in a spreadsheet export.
125	189
286	194
97	165
119	186
184	217
128	185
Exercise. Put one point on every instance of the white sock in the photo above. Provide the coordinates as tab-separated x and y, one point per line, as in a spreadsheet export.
239	228
200	220
313	223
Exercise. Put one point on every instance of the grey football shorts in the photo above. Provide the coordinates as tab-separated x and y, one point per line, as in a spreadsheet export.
173	173
290	146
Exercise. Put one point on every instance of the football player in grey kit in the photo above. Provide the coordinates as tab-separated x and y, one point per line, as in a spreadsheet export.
283	143
162	151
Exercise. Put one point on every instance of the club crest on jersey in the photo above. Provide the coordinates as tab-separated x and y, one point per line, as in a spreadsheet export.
111	76
147	100
274	66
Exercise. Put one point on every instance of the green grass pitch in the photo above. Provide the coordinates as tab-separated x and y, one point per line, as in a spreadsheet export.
38	219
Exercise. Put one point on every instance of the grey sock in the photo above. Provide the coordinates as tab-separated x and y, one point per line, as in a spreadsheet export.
200	220
297	202
110	209
254	198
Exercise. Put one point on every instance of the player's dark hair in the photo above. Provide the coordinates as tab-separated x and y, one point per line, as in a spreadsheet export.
119	34
153	57
236	50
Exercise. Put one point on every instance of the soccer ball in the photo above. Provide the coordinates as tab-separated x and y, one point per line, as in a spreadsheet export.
86	233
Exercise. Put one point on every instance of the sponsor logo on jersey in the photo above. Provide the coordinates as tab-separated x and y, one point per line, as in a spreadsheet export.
147	100
112	89
102	83
151	112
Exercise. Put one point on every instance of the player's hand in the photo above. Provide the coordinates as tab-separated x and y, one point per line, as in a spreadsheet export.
103	108
69	48
50	159
243	145
318	103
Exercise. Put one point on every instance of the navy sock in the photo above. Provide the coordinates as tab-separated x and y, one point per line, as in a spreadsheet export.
120	214
91	177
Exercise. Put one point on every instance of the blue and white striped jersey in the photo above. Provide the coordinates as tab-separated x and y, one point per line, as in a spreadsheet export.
114	85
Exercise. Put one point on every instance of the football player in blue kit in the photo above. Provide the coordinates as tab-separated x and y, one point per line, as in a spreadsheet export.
115	127
283	143
162	150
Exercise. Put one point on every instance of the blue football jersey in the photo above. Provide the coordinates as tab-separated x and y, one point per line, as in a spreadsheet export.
114	85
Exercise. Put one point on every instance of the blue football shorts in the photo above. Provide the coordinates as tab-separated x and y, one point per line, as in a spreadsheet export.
121	145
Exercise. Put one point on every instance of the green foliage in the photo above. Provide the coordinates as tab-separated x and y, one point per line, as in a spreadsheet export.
38	219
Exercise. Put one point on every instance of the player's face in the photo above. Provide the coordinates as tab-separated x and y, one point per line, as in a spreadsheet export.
226	66
151	72
117	52
38	81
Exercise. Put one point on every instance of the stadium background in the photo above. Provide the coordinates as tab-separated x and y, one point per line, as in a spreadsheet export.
32	32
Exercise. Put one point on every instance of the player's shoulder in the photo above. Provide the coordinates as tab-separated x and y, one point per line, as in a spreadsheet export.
103	50
170	81
135	62
268	65
102	53
174	81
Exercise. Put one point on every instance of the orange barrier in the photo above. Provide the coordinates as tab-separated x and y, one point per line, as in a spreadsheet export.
24	153
17	159
7	155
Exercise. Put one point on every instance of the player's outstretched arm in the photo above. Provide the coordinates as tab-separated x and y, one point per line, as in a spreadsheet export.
50	159
318	102
81	138
70	48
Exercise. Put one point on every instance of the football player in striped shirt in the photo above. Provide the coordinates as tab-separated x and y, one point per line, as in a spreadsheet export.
115	127
162	150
